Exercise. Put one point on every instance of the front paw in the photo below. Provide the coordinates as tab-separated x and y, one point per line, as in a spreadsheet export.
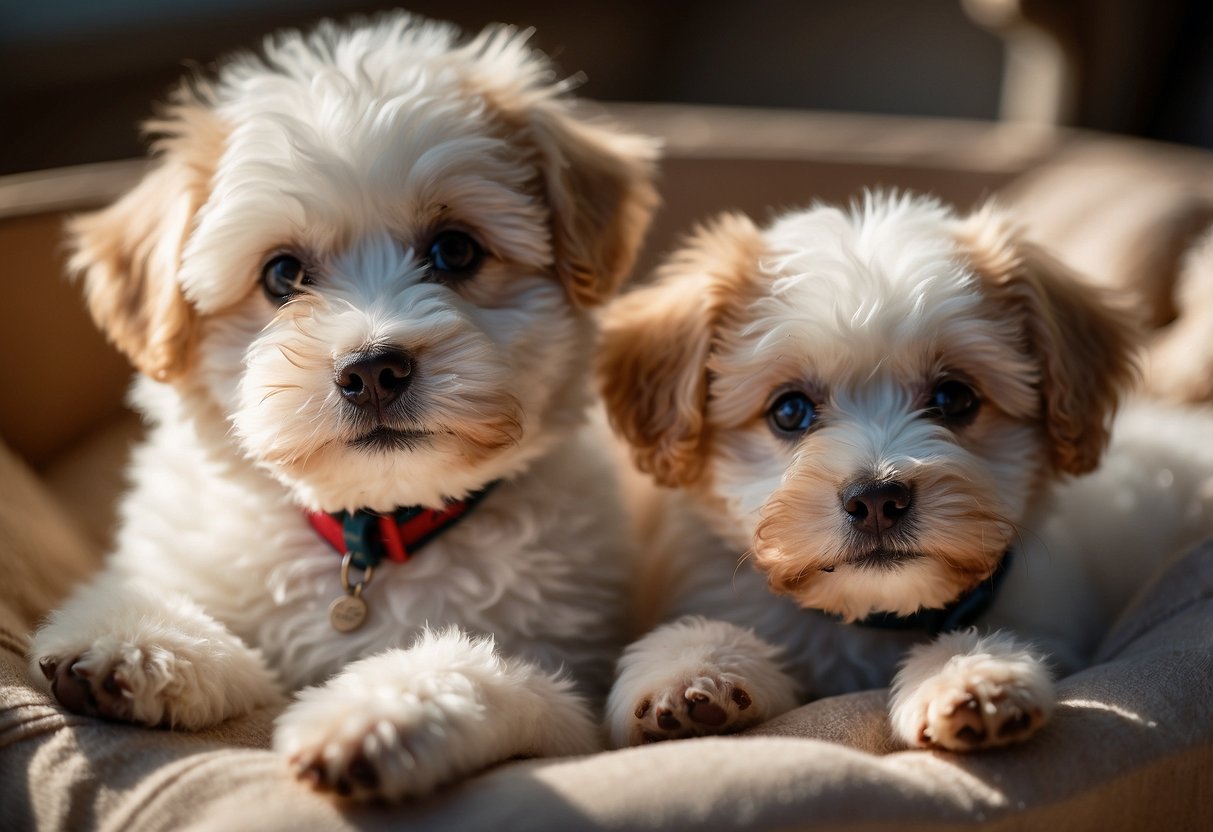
401	723
706	704
694	677
129	682
361	747
130	656
976	702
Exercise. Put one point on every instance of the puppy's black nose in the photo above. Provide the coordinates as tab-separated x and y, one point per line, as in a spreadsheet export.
373	380
876	507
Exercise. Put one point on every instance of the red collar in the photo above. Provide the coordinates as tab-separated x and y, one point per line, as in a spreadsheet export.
368	537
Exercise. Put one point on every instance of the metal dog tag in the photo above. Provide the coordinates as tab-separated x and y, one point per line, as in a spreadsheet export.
347	613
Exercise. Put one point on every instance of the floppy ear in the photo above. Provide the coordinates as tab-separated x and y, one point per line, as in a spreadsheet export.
597	181
128	254
599	184
656	341
1085	349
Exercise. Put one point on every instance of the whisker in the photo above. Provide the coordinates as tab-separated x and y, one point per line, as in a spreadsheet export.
271	394
286	354
741	561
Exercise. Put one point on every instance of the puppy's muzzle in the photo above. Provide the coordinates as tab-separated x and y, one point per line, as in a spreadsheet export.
877	508
371	381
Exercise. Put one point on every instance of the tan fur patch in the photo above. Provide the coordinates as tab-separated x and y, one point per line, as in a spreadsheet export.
1084	347
597	180
657	341
129	253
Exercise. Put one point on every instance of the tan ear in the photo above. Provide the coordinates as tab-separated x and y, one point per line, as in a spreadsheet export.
600	185
128	254
597	180
656	342
1086	349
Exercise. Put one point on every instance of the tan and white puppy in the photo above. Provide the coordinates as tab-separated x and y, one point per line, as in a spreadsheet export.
358	276
867	410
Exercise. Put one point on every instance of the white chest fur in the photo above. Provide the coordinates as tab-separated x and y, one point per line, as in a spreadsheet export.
538	564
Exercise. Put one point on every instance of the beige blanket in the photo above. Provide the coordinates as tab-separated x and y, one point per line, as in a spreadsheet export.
1131	746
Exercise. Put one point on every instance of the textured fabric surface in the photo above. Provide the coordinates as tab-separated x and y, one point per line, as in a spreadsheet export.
1131	746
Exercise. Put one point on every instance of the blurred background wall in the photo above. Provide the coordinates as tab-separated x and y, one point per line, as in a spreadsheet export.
76	76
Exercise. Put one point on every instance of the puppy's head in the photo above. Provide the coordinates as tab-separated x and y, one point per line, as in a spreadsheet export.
868	399
371	250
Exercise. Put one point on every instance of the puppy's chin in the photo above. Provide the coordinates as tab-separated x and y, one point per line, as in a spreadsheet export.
384	468
384	439
872	581
821	563
472	444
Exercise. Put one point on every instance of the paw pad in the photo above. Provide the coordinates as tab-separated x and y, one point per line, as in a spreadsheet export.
88	691
348	773
980	717
706	706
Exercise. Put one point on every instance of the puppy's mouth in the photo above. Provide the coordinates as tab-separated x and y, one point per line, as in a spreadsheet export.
386	439
879	559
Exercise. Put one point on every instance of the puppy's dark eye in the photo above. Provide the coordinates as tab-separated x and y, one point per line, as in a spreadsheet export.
283	277
954	403
455	254
792	413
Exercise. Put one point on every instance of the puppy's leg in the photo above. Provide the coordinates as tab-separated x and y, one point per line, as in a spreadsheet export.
694	677
403	722
128	653
963	692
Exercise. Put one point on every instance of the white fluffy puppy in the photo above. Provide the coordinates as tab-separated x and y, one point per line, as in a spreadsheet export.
357	281
881	406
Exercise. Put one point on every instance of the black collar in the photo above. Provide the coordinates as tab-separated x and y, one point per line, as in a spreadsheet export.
962	612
